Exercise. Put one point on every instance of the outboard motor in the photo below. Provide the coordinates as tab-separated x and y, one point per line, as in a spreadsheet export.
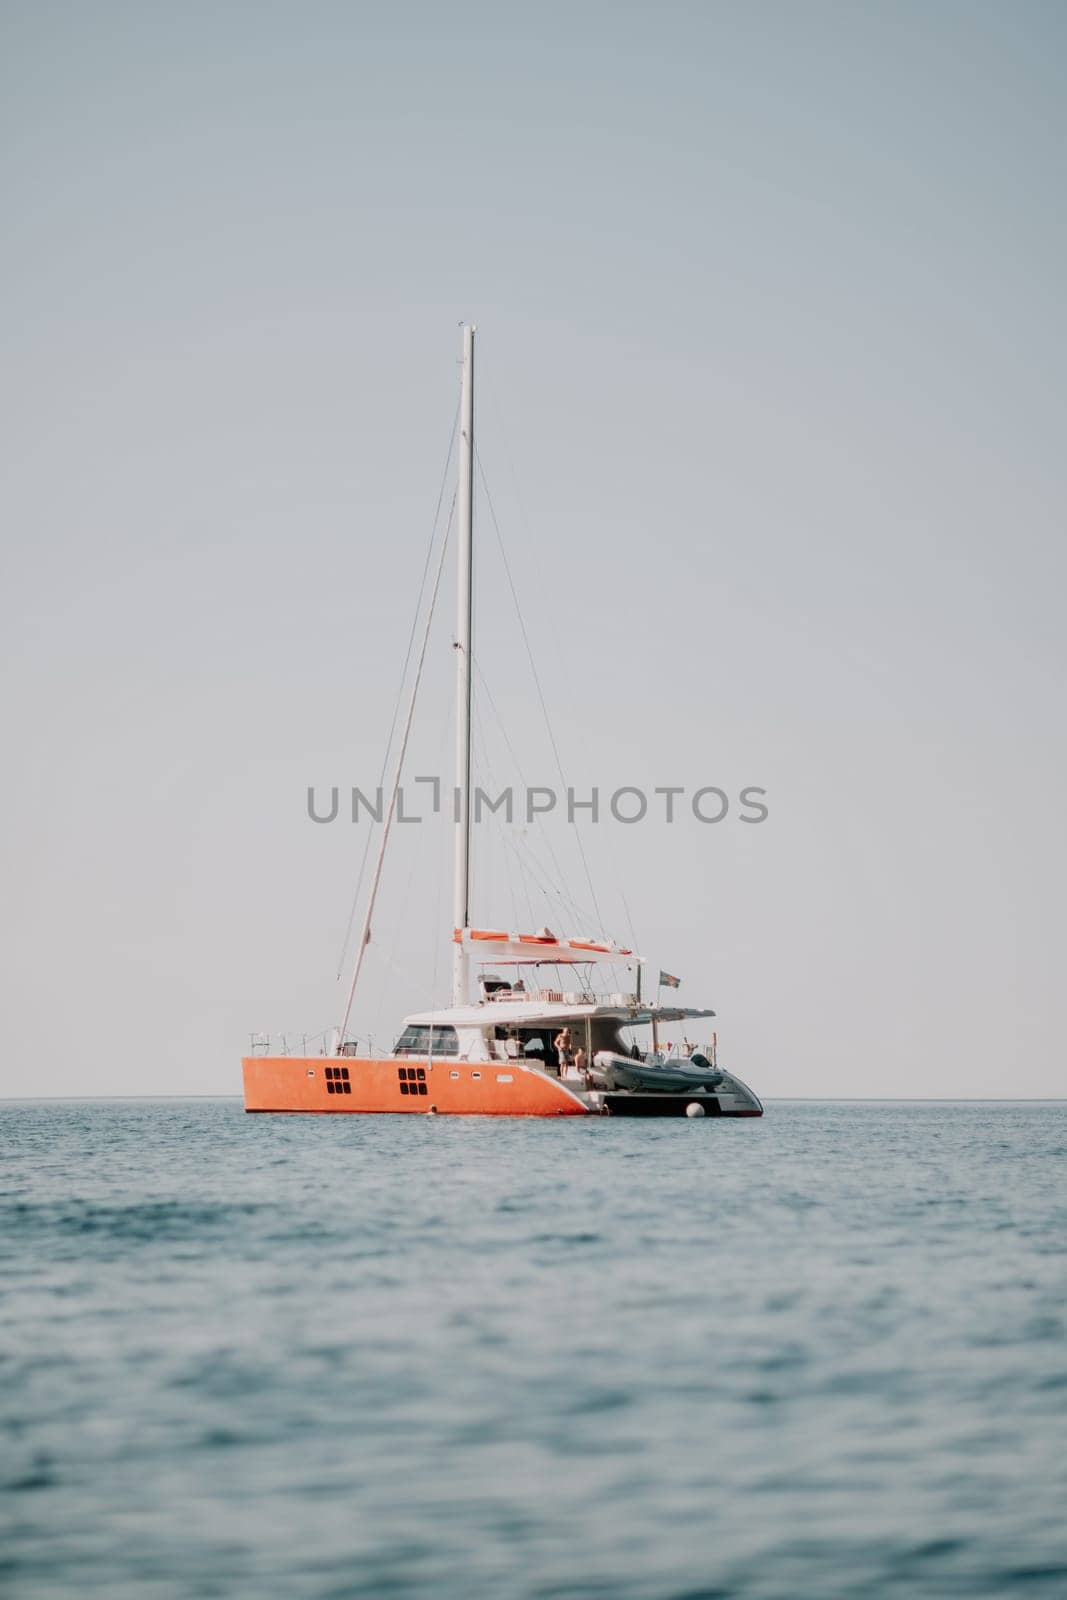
700	1060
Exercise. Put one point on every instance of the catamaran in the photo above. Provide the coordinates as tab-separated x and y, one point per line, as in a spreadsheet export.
519	1048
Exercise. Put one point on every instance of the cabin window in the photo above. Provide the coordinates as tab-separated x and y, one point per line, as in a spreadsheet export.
337	1081
423	1041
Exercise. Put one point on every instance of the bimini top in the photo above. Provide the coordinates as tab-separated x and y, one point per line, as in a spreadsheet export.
525	1010
533	949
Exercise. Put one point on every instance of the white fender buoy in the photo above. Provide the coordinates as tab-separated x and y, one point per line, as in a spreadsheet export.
693	1109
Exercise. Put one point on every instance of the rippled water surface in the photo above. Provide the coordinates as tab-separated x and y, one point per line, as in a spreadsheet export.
325	1357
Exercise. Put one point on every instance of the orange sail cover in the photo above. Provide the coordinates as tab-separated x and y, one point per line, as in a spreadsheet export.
520	949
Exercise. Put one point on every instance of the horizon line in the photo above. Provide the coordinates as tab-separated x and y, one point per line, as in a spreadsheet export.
788	1099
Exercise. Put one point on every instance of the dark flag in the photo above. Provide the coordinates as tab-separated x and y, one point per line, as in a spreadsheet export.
667	982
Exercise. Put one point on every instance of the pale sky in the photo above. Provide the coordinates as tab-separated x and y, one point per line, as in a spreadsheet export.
771	405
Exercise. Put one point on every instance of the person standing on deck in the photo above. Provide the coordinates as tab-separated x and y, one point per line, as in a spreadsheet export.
563	1048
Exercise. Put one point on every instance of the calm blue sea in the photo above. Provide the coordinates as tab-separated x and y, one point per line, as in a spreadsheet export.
321	1358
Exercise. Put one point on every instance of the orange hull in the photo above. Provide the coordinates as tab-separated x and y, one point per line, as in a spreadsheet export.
458	1088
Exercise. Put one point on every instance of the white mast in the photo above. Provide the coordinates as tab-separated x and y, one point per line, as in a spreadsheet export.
464	673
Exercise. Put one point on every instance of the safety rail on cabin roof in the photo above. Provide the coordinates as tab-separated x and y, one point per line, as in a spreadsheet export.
557	997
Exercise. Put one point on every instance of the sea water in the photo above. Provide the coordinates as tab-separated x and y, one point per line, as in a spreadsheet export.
325	1357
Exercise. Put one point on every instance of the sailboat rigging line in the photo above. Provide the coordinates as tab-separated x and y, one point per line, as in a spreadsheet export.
537	874
435	929
534	544
400	685
508	845
582	917
537	680
634	944
549	610
500	721
482	748
534	871
388	823
402	928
